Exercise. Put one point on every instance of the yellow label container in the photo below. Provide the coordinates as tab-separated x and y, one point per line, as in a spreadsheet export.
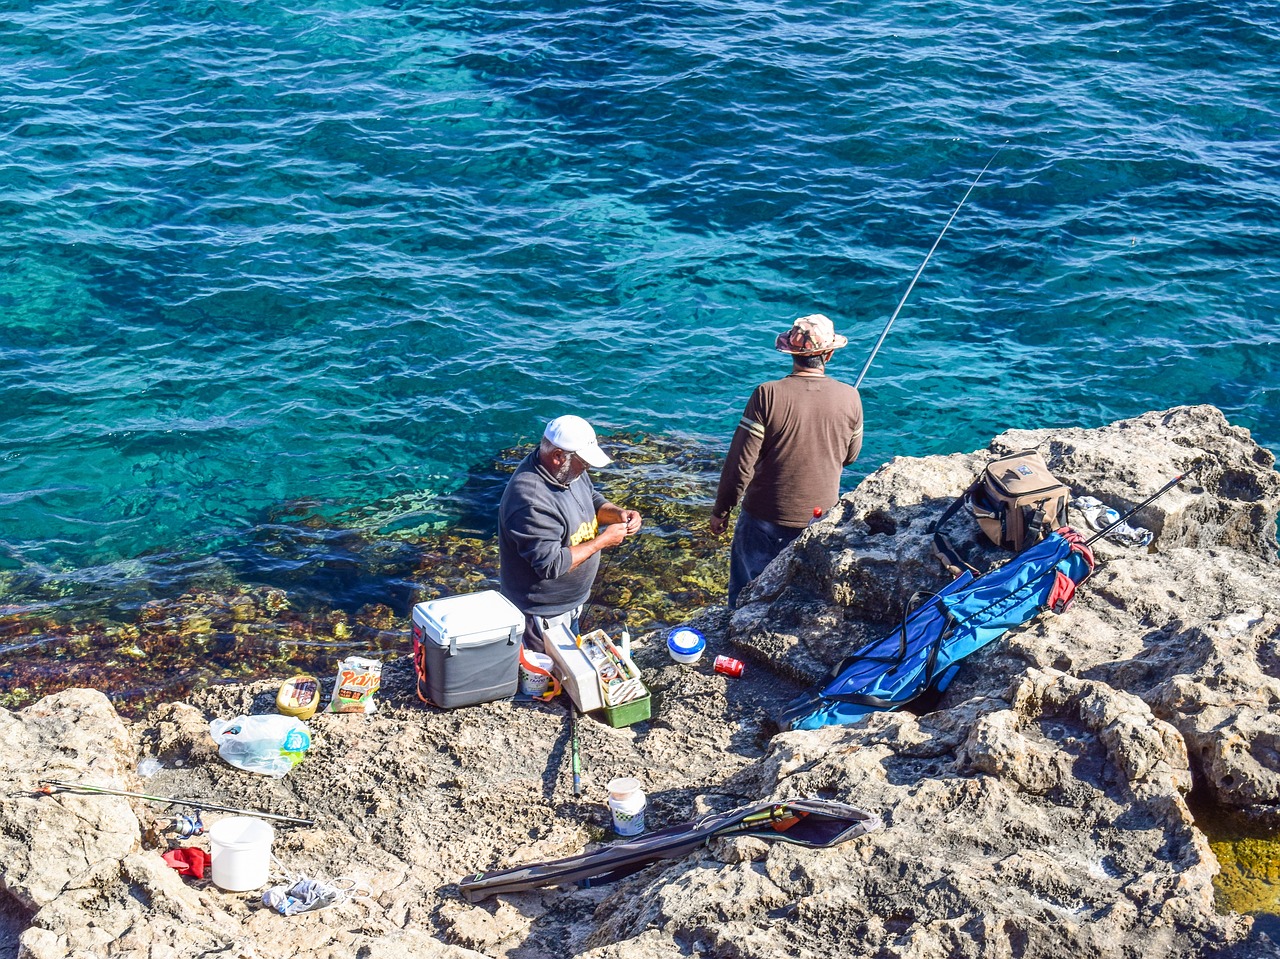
299	697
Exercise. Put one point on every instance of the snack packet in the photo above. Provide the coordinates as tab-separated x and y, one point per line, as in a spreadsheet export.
358	679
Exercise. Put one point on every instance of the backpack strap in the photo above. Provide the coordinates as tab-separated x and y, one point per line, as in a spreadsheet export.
943	548
930	663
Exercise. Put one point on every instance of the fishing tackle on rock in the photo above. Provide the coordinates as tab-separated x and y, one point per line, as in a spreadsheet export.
575	750
187	826
938	632
1146	502
885	332
52	787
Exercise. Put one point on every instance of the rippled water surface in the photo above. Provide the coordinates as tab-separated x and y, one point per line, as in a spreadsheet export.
283	284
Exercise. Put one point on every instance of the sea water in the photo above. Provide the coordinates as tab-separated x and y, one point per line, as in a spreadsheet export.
279	275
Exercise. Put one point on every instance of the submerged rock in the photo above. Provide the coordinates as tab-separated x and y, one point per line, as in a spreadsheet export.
1040	810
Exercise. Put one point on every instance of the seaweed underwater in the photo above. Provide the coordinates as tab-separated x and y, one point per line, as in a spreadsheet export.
309	586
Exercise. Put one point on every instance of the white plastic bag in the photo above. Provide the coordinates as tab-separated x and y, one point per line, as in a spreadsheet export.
269	744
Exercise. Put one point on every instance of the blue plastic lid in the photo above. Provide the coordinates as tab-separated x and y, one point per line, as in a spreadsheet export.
685	639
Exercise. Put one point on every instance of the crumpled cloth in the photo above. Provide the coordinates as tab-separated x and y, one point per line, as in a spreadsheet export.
189	861
305	895
1098	517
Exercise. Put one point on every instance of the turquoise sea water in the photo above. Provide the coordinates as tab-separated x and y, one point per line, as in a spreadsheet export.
342	254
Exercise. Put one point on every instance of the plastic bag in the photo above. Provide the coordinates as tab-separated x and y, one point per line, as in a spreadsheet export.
268	744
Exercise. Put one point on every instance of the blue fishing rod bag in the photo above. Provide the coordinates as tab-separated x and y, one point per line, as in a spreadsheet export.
926	649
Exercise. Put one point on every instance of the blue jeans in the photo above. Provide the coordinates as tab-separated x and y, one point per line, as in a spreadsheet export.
755	543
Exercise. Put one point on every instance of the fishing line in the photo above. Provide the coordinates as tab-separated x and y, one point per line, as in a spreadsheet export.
885	332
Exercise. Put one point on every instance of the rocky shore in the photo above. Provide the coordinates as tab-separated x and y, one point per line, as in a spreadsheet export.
1039	809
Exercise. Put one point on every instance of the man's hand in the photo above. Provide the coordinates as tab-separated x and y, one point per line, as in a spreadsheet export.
631	520
719	523
628	518
611	535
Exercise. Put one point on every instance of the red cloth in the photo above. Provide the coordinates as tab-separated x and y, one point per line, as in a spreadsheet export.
189	861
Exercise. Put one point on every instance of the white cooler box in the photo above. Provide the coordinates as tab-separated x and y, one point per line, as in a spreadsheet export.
466	648
573	669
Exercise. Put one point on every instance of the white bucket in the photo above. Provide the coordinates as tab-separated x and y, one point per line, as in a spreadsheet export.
240	853
531	683
627	802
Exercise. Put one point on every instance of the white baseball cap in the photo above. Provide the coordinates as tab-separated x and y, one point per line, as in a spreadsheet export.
574	435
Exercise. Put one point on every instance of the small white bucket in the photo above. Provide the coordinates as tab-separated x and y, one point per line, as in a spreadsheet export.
531	683
685	644
627	802
240	853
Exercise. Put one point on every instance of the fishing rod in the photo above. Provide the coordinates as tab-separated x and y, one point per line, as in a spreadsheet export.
885	332
1146	502
575	752
52	786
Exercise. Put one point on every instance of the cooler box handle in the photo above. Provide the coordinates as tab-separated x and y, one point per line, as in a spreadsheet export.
512	639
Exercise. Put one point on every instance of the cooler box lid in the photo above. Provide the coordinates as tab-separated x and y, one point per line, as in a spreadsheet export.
469	619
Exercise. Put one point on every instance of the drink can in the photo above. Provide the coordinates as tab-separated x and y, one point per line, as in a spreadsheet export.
729	666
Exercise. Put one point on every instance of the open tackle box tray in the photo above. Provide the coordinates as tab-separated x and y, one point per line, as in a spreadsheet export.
598	675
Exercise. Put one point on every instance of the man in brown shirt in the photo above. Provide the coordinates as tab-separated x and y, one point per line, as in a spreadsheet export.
784	462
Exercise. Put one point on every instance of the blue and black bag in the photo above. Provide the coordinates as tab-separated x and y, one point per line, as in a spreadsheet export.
925	651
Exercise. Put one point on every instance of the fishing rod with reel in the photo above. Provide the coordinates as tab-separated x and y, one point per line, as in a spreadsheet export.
51	787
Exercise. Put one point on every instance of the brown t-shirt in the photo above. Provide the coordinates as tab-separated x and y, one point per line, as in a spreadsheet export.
795	437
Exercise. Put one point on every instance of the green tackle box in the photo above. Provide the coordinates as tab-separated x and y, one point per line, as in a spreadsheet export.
624	714
632	710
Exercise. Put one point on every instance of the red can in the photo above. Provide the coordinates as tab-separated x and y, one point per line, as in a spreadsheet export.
729	666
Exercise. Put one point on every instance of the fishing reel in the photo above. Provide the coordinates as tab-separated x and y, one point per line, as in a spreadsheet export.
168	828
184	827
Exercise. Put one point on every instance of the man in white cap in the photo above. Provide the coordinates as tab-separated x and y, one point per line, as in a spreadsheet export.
784	462
552	525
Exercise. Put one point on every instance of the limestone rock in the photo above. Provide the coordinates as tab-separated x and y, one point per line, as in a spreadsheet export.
1189	624
1011	829
1040	810
54	845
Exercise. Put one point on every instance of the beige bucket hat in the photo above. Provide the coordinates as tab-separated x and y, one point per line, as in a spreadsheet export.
810	335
